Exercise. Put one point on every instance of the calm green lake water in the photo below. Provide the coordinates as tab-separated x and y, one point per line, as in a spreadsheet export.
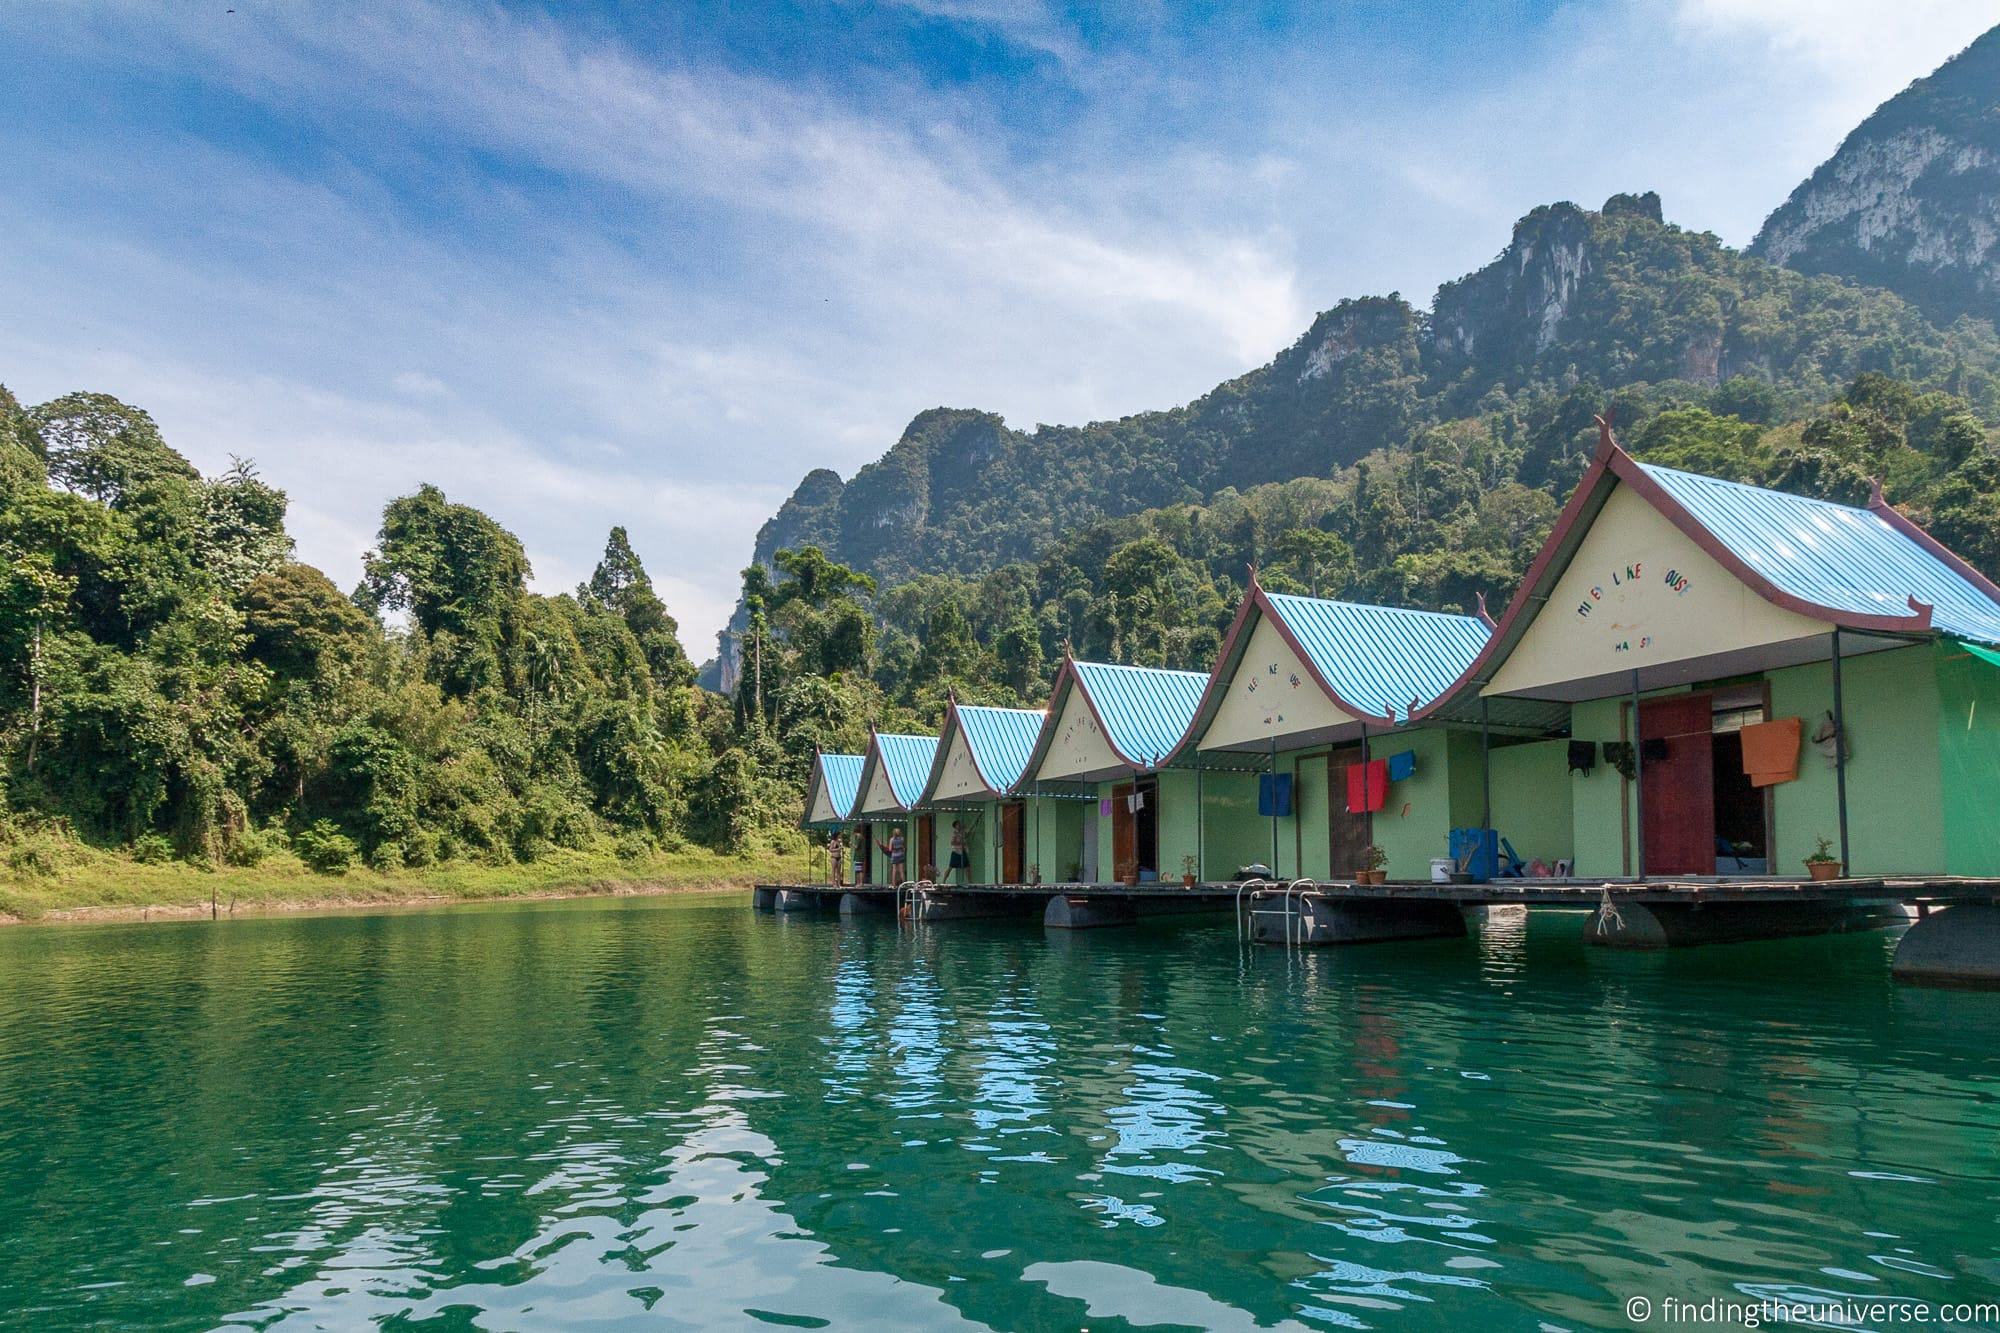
677	1113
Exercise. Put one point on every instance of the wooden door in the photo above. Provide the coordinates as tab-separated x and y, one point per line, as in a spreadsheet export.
1013	844
1124	830
926	847
1348	833
864	838
1678	818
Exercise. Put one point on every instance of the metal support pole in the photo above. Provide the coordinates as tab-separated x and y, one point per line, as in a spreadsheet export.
1367	789
1639	772
1200	819
1274	805
1485	764
1840	755
1036	788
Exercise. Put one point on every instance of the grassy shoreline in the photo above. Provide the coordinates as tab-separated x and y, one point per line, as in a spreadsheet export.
102	886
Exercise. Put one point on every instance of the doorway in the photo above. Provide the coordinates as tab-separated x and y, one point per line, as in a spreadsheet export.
1013	843
926	847
1348	833
864	853
1702	816
1135	826
1742	810
1677	758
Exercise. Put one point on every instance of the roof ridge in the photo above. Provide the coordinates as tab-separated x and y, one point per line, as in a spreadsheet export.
1372	606
1863	510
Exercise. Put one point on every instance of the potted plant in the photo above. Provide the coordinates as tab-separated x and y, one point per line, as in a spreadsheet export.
1822	863
1128	872
1190	871
1374	866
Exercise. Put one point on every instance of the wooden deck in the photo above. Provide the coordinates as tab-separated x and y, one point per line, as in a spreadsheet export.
1929	890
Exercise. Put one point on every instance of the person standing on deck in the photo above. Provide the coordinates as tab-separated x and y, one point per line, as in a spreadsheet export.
836	858
895	847
961	864
860	857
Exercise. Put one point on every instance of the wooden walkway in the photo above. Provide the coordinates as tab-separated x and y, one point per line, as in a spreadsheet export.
1931	890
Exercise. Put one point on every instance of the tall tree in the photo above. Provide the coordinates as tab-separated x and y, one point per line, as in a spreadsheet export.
102	448
620	583
455	571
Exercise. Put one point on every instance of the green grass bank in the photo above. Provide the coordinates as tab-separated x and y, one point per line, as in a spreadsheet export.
90	884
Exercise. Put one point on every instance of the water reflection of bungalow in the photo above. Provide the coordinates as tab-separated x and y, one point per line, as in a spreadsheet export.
981	755
893	773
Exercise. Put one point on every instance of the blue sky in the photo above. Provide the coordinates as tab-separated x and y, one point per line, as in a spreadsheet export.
647	264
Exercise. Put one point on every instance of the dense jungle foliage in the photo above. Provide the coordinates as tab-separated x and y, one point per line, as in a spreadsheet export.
179	686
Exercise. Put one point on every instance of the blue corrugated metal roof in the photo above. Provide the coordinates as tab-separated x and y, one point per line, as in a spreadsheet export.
1382	657
1832	555
908	760
841	776
1145	710
1001	740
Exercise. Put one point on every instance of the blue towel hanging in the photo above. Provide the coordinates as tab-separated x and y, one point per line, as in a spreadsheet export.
1274	795
1402	765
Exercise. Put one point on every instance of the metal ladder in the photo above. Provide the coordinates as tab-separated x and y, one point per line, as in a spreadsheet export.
1291	910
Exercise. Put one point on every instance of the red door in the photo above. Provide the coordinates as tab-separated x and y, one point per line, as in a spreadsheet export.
1678	818
926	847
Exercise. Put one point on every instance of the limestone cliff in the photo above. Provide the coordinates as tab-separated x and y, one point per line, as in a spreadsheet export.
1911	200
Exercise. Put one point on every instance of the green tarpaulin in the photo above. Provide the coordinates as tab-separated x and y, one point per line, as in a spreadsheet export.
1991	655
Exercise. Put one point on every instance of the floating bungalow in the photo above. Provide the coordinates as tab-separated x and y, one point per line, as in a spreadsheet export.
981	754
1108	732
831	786
1745	672
1316	694
890	785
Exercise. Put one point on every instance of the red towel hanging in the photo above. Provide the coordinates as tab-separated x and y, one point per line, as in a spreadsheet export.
1367	786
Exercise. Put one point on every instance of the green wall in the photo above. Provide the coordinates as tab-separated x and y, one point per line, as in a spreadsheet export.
1056	843
1968	759
1599	832
1415	822
1534	805
1233	833
1894	783
1895	787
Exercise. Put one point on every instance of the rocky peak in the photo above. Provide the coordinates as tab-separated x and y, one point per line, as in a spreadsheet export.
1514	307
1911	199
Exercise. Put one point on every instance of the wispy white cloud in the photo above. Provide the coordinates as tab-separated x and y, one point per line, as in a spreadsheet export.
1028	23
579	284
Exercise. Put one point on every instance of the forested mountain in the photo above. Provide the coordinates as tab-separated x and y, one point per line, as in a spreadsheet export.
1578	305
1911	201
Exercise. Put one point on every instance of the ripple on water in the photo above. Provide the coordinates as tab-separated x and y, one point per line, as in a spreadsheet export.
684	1115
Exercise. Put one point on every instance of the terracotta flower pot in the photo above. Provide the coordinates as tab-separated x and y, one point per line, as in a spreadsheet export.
1187	881
1370	876
1823	869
